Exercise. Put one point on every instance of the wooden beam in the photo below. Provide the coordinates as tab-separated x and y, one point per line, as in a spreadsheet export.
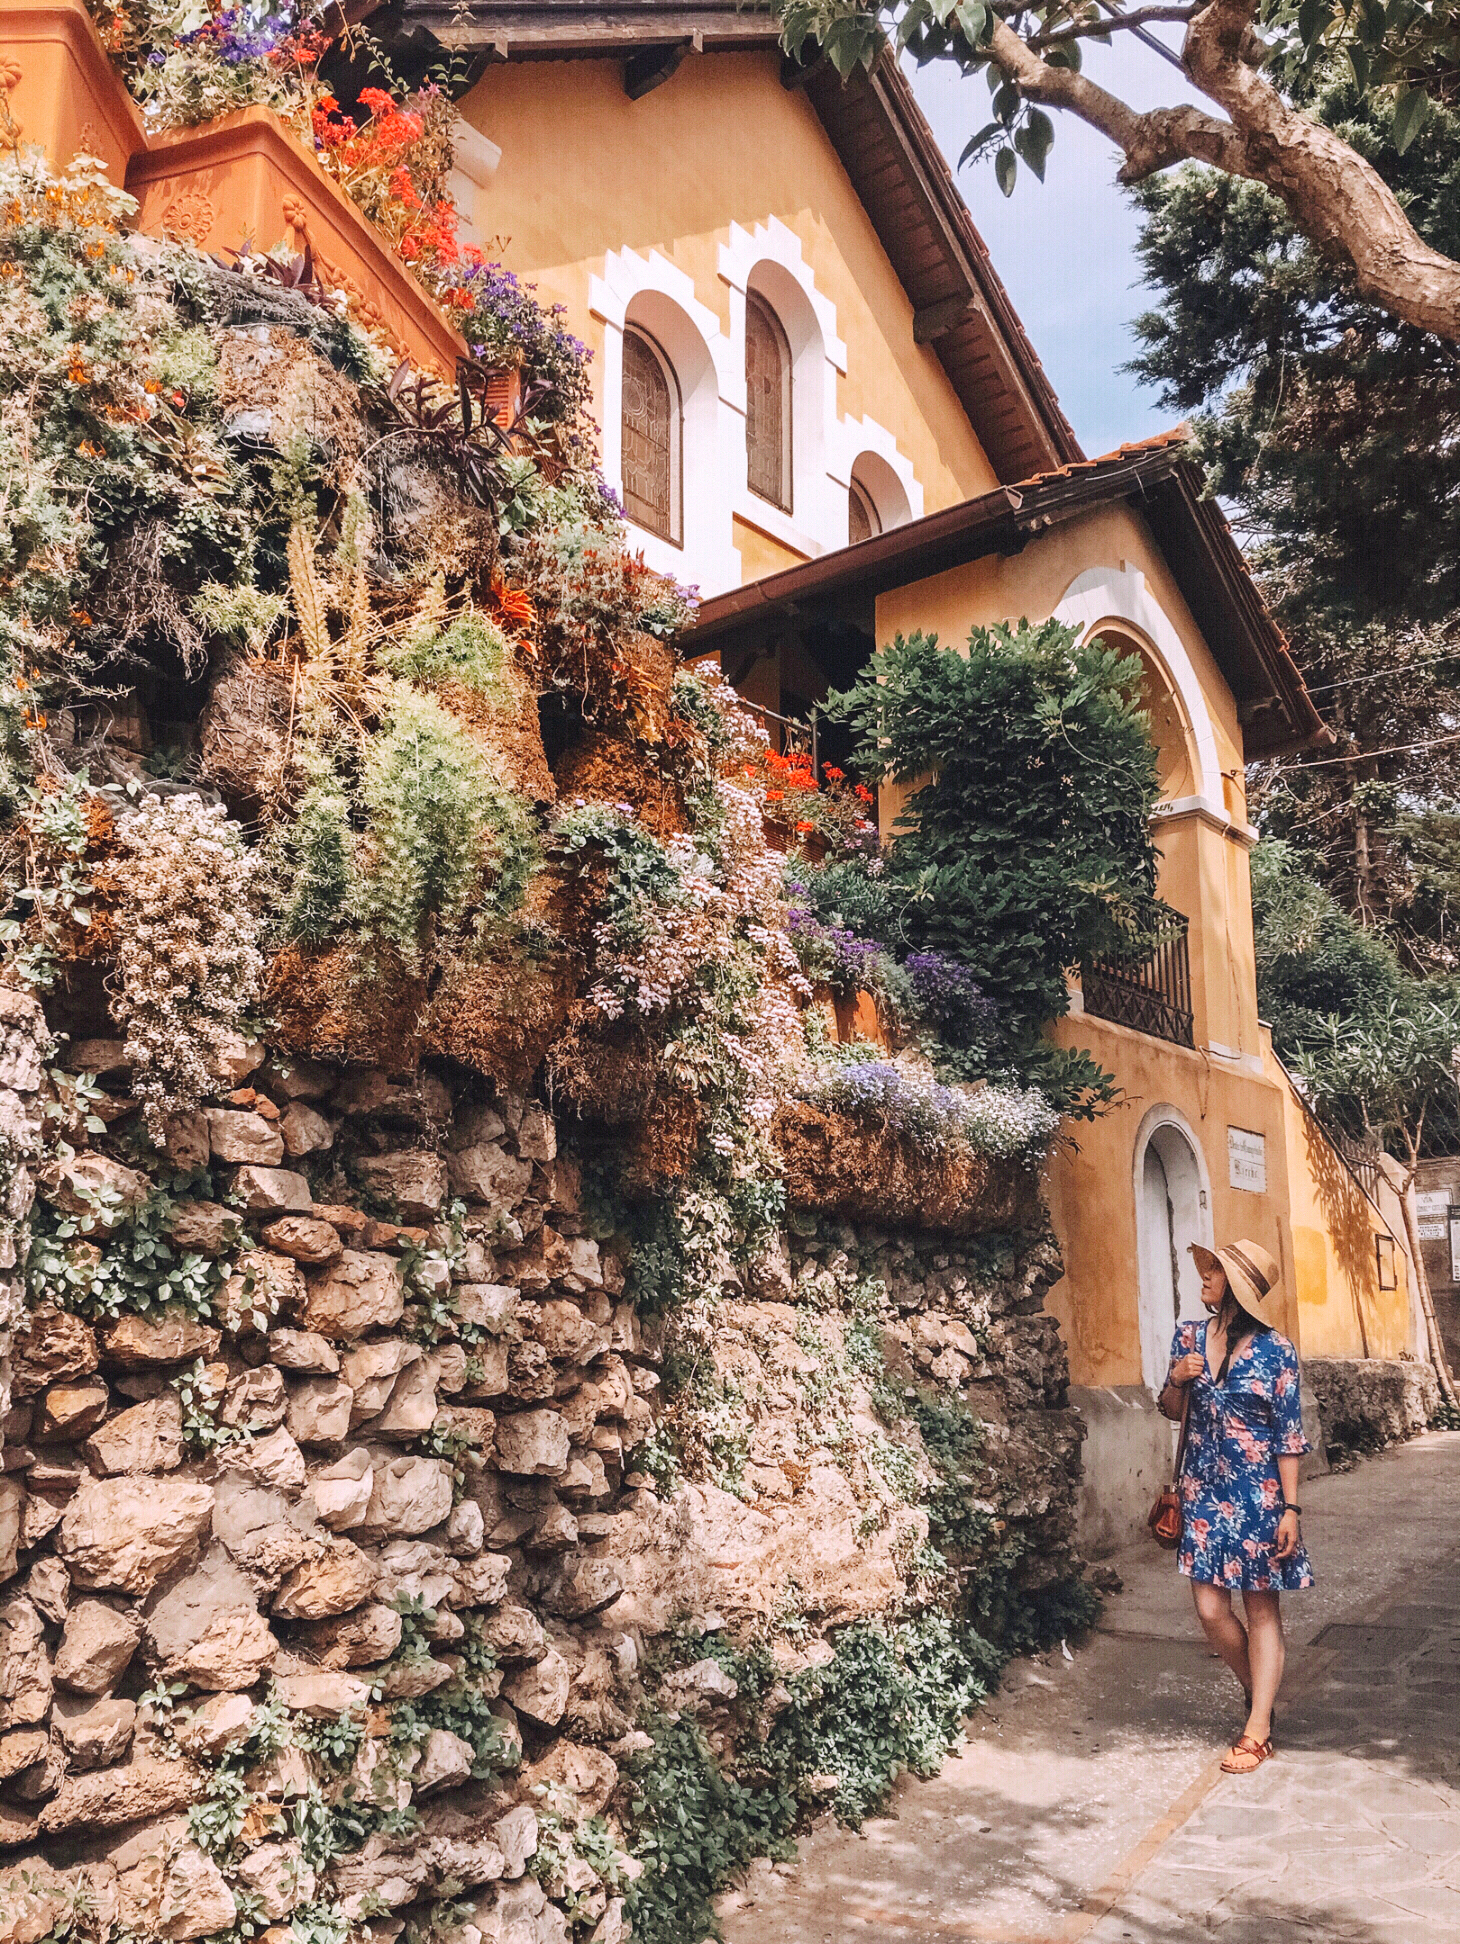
936	320
645	72
795	74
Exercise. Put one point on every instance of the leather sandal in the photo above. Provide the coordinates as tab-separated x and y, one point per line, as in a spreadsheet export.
1245	1755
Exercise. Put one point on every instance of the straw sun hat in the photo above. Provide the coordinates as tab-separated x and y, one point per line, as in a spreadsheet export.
1252	1274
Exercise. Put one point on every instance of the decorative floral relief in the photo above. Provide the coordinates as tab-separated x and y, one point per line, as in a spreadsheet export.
189	218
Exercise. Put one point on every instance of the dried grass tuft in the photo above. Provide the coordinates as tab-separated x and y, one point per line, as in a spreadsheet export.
611	769
244	735
605	1071
498	1015
347	1002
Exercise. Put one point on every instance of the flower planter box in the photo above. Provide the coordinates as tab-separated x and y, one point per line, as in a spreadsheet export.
64	92
858	1018
246	179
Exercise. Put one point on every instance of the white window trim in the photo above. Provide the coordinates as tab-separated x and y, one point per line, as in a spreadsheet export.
856	436
705	554
716	490
819	524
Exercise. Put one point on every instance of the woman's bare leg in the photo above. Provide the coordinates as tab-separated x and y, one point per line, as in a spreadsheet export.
1267	1652
1223	1629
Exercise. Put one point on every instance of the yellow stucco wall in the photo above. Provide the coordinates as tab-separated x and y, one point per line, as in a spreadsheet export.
1321	1236
760	554
581	176
1342	1312
1093	1196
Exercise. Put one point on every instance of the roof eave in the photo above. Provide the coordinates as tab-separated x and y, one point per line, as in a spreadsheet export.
1159	480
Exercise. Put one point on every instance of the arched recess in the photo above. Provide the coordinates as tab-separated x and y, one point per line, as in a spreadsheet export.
1103	597
672	333
1173	1210
652	438
1176	753
881	492
770	420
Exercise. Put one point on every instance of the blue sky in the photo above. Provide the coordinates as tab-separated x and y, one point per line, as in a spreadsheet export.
1066	248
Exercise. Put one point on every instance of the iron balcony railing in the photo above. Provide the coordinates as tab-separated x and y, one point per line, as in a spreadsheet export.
1148	988
789	733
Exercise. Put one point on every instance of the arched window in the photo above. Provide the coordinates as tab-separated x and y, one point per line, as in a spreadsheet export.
767	405
862	520
653	438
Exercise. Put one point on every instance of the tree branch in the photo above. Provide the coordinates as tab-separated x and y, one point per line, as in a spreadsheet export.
1333	195
1140	17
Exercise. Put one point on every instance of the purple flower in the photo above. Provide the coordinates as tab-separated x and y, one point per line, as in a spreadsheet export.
951	997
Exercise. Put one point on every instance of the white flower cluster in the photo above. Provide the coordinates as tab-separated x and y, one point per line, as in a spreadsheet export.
1009	1121
188	960
1000	1121
742	737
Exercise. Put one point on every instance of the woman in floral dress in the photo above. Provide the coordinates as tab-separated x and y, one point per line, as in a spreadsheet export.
1239	1482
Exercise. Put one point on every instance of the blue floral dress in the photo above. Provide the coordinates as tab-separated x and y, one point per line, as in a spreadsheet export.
1231	1493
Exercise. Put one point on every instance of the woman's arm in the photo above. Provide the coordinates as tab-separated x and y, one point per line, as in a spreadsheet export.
1184	1370
1289	1530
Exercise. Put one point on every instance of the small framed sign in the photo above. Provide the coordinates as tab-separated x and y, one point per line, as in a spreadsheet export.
1384	1249
1455	1245
1247	1160
1433	1209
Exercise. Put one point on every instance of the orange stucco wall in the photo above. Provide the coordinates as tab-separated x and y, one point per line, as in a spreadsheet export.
1204	869
1092	1188
581	176
1321	1236
1342	1311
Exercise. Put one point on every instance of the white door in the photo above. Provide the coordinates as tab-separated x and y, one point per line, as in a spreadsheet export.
1172	1212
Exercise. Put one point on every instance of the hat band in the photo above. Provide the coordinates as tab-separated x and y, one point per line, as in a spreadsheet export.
1260	1282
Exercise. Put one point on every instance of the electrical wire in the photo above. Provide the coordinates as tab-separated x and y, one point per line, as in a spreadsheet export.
1369	755
1375	675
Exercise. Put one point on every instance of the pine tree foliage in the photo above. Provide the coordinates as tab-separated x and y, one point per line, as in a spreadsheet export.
1332	433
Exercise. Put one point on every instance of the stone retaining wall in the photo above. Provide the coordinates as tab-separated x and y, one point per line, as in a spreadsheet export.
1366	1402
326	1586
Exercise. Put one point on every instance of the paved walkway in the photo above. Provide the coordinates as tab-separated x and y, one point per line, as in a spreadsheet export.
1088	1807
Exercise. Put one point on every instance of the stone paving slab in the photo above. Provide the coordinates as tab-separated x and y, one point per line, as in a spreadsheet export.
1087	1806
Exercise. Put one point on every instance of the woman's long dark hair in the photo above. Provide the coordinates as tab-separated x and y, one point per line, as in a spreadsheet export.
1241	1324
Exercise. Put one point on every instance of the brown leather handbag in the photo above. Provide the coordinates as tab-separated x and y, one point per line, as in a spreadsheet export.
1164	1518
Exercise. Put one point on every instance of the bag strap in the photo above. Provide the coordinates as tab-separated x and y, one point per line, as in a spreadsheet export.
1181	1440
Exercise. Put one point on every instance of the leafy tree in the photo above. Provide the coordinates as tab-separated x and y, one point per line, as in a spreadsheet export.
1251	59
1026	846
1396	1066
1331	432
1314	962
1373	1048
